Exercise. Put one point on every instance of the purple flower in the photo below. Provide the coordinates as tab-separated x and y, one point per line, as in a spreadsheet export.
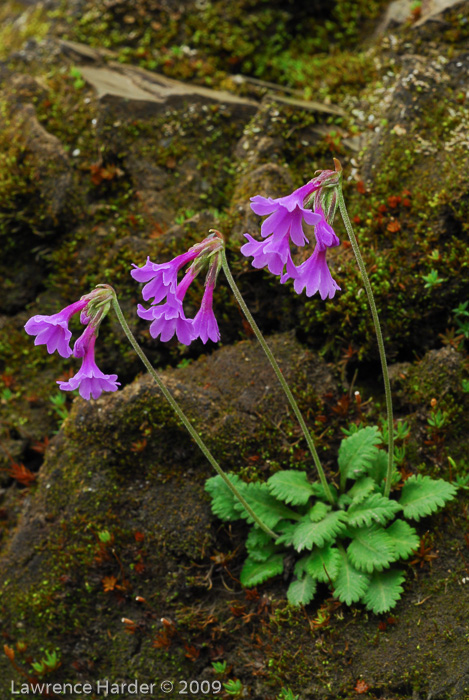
286	214
161	278
205	324
53	331
89	379
169	319
271	253
284	223
314	275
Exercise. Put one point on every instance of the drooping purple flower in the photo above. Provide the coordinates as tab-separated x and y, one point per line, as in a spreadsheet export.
161	278
89	379
81	344
314	276
52	331
205	324
271	253
284	224
168	319
286	214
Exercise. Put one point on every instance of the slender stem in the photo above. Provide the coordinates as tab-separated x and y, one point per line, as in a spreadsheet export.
184	420
379	338
280	377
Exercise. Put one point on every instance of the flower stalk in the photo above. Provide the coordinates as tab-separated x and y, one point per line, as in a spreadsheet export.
183	418
379	337
279	375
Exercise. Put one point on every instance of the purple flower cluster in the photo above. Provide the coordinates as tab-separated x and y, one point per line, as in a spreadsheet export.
161	285
284	225
53	332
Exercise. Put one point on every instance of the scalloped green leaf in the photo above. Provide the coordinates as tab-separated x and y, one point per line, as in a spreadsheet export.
308	534
223	500
375	508
422	496
255	572
358	452
264	505
318	511
384	590
301	591
361	488
323	564
404	537
259	545
318	491
349	585
285	530
379	470
291	486
371	549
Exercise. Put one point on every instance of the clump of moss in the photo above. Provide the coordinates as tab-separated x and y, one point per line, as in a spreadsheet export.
203	43
19	24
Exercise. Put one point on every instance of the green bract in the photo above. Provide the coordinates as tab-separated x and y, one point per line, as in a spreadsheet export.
351	545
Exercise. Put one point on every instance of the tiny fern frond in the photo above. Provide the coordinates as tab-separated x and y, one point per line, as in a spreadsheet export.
384	591
291	486
422	496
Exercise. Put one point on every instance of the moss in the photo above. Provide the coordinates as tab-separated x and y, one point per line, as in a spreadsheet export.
19	25
204	43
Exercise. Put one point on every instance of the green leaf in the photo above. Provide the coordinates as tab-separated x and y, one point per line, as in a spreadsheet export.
291	486
375	508
264	505
323	564
404	538
308	534
318	511
255	572
422	496
361	488
371	549
350	584
379	470
223	499
286	530
357	453
318	491
259	545
384	590
301	591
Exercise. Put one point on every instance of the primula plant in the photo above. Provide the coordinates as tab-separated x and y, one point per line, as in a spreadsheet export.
350	543
348	536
